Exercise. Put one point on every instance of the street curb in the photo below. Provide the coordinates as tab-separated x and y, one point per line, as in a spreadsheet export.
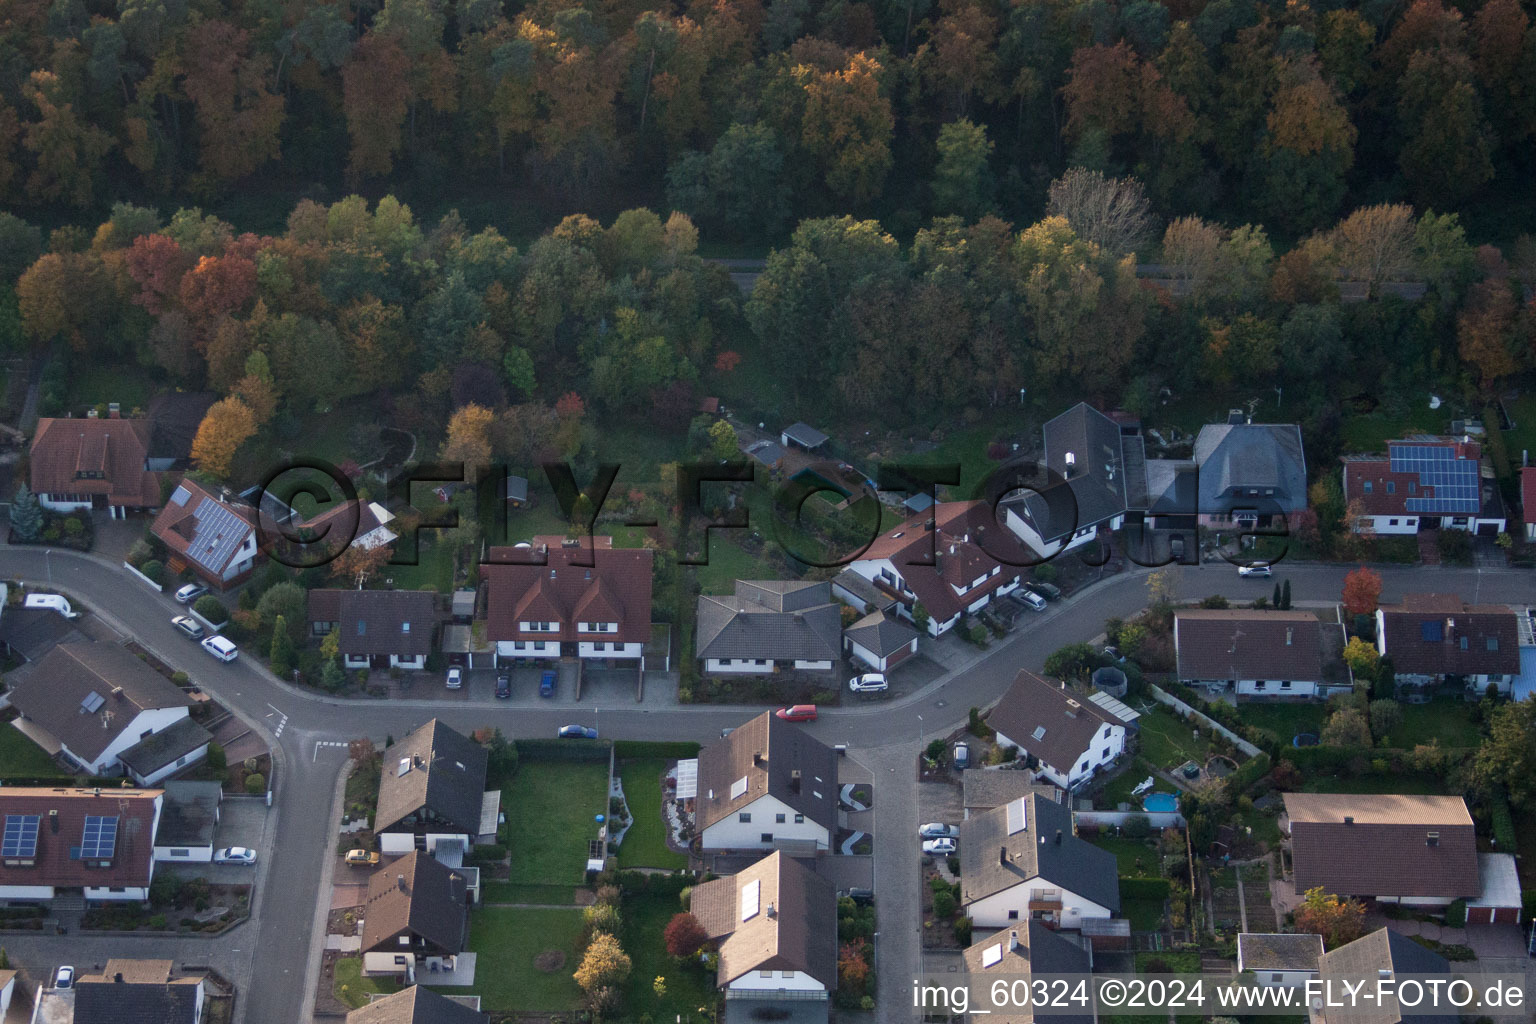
323	906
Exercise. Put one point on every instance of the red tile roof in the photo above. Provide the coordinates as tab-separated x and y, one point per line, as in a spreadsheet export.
1424	636
964	542
117	448
59	836
177	527
1378	472
548	582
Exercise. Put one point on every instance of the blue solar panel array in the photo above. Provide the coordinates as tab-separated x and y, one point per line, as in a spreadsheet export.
20	838
1456	483
100	839
218	533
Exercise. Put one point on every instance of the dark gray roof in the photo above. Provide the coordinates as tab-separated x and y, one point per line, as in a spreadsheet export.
157	750
772	619
881	634
1038	841
864	589
444	772
1098	474
516	489
1385	950
767	752
1250	455
804	434
416	1005
1047	720
1275	951
1028	949
31	632
1172	487
399	622
100	999
769	453
174	417
418	895
189	814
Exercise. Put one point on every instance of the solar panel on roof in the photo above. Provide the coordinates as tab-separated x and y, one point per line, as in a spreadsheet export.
92	702
1430	632
100	839
20	838
217	534
1455	480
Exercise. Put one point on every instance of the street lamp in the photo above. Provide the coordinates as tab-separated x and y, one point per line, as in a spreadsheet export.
920	729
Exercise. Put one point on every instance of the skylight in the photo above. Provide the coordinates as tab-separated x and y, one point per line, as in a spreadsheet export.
992	955
739	787
751	898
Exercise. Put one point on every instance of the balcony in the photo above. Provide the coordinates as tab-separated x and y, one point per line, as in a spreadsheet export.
1044	900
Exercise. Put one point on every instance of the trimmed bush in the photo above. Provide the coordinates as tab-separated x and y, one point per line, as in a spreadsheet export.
1456	914
212	609
1503	824
654	748
155	570
256	784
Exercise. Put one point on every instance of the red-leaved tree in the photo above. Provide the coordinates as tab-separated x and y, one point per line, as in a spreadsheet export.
1362	591
684	935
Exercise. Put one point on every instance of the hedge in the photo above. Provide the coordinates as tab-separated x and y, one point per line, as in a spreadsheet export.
655	748
1503	824
212	609
654	885
1248	773
561	750
1143	888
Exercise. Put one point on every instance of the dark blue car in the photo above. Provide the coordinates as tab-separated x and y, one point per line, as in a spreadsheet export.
547	683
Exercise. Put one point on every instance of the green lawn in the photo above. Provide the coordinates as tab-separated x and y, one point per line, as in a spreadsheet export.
497	891
507	942
1118	790
550	808
729	562
433	569
1523	411
353	989
645	844
20	758
1168	741
1370	432
1127	852
688	988
97	383
1284	721
1449	721
1144	915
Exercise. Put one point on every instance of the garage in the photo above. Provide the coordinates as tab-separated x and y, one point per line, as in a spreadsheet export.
1499	902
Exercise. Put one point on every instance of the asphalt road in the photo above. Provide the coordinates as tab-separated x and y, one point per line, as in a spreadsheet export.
887	735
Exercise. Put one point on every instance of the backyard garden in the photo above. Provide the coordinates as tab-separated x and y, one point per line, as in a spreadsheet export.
645	842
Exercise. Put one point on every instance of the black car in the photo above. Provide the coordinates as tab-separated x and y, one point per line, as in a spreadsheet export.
503	685
1049	591
863	897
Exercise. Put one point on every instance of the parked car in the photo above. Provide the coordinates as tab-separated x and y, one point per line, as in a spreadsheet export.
577	732
221	647
547	683
1257	571
189	593
1049	591
939	830
869	682
939	847
863	897
797	713
64	977
362	858
455	678
54	602
189	626
1029	599
962	755
235	855
503	685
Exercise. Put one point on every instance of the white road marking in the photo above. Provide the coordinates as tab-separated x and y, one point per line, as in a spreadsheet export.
282	721
326	743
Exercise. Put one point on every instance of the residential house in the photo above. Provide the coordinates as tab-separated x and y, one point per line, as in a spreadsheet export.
27	634
860	593
982	789
416	1005
1393	848
952	563
98	843
768	626
562	597
136	992
7	991
1249	472
1096	474
768	453
880	641
1424	483
432	792
366	521
767	785
1070	736
189	820
1384	954
107	711
1017	954
212	535
1430	637
776	924
377	628
415	917
1528	501
174	417
1259	653
1279	959
1022	862
802	435
91	463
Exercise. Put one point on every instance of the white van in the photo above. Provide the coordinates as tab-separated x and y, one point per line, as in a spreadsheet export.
221	647
56	602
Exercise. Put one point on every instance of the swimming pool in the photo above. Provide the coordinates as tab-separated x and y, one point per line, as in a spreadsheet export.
1160	803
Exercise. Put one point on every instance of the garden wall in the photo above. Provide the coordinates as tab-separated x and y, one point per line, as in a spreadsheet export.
1159	819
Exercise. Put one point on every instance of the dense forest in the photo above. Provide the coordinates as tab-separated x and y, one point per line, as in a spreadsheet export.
750	115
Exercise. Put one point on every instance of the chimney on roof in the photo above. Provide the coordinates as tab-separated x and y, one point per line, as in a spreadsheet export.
794	781
119	975
400	881
928	526
114	411
90	414
757	759
1013	942
799	617
1289	632
1450	630
1002	855
1349	819
1070	460
772	911
53	821
1432	839
1058	837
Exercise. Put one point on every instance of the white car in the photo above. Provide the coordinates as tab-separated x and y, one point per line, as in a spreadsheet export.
235	855
938	830
221	647
455	678
64	977
869	682
939	847
1259	571
189	593
1029	599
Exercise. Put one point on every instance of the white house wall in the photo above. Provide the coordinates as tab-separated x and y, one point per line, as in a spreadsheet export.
738	666
26	892
1276	688
172	768
993	911
154	720
1100	752
793	981
184	854
730	833
588	649
137	894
